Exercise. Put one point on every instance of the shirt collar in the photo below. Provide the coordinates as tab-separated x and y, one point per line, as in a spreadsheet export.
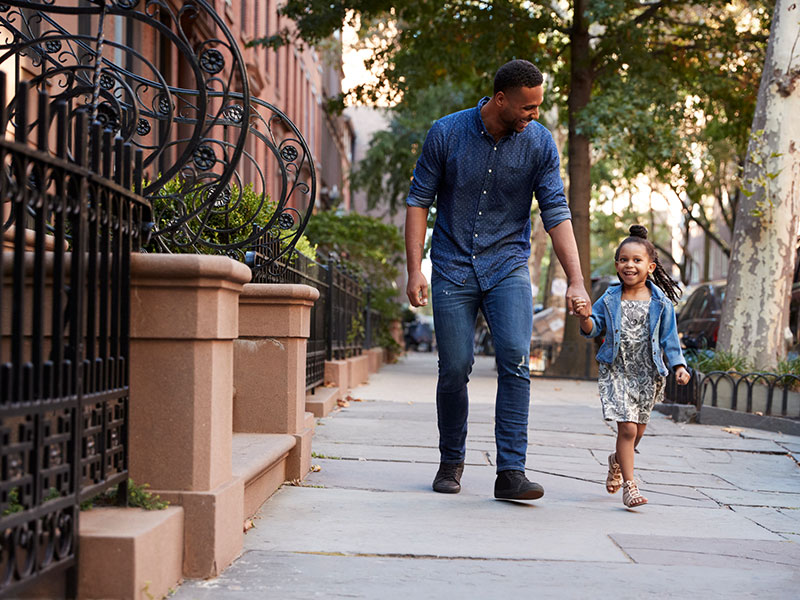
478	118
482	126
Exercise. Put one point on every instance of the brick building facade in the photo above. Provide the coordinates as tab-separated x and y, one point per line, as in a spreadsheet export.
298	81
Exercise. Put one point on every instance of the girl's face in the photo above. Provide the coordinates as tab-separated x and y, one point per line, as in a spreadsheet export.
634	264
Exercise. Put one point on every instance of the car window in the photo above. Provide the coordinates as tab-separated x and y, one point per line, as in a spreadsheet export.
693	304
705	306
718	298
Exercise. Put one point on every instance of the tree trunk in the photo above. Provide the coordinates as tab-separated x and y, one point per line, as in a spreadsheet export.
576	356
538	249
755	314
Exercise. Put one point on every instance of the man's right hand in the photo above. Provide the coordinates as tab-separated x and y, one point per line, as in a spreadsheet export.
417	289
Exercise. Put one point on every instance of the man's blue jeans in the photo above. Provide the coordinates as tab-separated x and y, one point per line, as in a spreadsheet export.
508	309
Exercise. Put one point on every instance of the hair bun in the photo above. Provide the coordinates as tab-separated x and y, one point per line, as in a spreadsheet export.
639	231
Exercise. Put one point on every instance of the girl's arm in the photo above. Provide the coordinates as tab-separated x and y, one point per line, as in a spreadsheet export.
592	319
670	342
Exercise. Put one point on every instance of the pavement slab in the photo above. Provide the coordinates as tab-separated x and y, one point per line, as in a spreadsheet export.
298	519
777	521
273	575
344	451
709	552
746	498
723	518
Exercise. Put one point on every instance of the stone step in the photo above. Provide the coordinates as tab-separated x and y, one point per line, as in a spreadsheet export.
129	553
310	421
322	401
260	460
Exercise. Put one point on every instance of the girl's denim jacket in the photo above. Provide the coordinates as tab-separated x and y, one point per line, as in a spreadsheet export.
663	327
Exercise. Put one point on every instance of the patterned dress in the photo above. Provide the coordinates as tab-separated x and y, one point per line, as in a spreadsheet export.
631	385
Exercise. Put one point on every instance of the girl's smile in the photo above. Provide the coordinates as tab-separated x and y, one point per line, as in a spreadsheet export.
634	264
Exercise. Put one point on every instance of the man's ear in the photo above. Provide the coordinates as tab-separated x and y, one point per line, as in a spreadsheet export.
500	98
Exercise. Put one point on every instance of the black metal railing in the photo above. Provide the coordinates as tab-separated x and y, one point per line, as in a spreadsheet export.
74	215
769	394
682	394
343	323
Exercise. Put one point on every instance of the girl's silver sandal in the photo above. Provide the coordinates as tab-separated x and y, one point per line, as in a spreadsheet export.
631	496
614	477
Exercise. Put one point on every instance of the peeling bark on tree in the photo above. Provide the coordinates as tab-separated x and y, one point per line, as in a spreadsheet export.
755	314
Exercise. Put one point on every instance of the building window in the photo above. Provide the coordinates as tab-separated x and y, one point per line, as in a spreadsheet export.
243	20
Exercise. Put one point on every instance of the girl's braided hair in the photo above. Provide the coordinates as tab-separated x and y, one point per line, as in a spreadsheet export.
638	235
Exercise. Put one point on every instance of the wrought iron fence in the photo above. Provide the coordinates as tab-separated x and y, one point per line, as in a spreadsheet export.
118	156
73	216
342	321
682	394
768	394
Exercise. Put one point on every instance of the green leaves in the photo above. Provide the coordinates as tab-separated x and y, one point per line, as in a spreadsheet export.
369	247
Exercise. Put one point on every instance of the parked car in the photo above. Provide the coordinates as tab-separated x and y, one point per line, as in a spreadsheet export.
698	318
600	285
419	336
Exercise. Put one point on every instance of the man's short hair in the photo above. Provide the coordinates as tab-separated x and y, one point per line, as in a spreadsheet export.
516	74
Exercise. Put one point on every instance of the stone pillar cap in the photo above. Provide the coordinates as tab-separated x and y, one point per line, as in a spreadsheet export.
293	291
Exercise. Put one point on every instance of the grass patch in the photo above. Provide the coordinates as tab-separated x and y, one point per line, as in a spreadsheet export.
316	455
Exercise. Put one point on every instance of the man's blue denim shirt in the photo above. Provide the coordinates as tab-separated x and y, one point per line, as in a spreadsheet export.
483	192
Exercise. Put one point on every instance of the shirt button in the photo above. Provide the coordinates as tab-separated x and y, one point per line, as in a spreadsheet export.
490	170
476	235
484	191
480	212
463	281
495	147
473	257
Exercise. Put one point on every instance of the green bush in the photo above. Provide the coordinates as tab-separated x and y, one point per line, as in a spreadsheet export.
706	361
236	216
370	248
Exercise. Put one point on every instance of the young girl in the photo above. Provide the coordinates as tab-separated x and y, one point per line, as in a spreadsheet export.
638	320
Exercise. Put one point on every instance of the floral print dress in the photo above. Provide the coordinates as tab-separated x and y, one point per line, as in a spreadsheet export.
630	386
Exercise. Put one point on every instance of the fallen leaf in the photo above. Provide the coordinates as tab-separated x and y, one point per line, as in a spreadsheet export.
315	468
733	430
248	525
342	403
557	389
351	399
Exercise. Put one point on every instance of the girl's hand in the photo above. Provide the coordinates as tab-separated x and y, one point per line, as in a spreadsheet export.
582	308
682	376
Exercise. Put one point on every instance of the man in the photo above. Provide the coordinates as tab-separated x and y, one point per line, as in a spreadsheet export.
483	166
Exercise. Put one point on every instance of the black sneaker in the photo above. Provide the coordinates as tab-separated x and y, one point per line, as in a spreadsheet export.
513	485
448	478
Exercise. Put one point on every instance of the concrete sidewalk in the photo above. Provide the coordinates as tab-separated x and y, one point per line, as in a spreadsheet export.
723	519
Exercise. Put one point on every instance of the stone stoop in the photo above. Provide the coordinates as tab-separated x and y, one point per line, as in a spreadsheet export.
310	421
358	367
322	401
375	359
129	553
260	459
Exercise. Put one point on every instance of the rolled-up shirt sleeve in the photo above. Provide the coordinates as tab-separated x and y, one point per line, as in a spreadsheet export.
549	189
429	169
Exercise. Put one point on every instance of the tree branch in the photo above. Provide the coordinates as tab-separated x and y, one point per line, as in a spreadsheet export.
703	224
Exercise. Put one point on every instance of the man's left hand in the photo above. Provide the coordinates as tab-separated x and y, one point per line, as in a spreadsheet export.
576	291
